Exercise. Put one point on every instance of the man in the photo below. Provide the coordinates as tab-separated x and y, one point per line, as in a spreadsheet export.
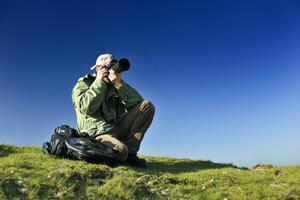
112	111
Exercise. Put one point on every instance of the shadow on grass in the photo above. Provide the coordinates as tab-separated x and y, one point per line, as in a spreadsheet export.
6	149
182	166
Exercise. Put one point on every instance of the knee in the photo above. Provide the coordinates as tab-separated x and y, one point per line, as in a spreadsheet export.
147	106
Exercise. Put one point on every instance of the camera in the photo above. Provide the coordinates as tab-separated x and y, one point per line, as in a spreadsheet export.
119	66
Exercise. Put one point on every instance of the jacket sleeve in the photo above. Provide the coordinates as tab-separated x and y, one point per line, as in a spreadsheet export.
130	97
87	99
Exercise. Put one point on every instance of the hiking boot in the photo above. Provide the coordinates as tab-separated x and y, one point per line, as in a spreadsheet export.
135	161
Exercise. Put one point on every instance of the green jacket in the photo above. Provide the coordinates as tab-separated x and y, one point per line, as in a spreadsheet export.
100	106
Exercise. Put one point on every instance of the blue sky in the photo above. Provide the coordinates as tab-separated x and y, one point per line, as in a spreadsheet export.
223	75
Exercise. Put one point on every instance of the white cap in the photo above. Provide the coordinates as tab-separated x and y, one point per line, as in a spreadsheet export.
103	60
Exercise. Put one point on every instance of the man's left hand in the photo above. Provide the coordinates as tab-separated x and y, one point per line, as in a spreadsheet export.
115	78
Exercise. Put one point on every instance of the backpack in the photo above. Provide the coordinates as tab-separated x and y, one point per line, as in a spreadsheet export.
66	142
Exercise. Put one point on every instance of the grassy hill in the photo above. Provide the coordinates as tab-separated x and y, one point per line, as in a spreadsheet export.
26	173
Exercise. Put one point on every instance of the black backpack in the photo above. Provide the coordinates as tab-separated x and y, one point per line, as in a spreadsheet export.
66	142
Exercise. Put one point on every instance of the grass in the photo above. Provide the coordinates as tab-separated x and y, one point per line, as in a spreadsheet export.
26	173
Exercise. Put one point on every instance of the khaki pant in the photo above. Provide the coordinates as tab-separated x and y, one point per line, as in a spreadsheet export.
127	136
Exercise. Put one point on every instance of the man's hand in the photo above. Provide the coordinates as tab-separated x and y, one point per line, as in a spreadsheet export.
102	73
115	78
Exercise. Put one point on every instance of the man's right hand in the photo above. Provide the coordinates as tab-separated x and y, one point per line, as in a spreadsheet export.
102	73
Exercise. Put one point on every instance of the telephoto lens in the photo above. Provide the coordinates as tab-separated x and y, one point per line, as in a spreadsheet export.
122	65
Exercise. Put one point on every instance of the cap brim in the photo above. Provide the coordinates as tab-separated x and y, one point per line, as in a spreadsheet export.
93	67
